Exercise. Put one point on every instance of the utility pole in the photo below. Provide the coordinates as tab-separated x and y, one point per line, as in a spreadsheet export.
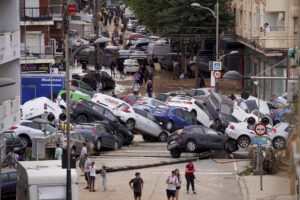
67	77
96	27
217	42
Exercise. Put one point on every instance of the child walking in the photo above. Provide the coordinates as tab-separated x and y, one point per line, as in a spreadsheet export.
103	174
92	177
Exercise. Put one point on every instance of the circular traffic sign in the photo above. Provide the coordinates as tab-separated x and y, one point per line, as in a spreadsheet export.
217	74
260	129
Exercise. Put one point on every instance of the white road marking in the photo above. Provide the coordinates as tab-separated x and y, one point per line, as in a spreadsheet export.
200	173
203	188
235	168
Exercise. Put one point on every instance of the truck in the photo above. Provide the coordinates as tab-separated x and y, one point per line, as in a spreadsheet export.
44	180
39	85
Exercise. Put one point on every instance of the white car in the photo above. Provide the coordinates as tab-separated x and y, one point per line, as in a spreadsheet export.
199	92
280	135
106	100
131	65
40	108
243	133
196	108
282	100
138	54
142	122
27	130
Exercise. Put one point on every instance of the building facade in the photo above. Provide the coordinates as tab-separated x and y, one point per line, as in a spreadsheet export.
9	64
268	30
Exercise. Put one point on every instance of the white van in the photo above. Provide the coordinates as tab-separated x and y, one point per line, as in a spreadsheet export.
107	101
44	180
158	50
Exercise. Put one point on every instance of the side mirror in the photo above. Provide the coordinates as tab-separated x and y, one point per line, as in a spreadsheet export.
50	117
251	121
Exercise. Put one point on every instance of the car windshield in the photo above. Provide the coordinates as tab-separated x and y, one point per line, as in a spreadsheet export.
252	105
258	114
226	109
123	106
132	98
49	129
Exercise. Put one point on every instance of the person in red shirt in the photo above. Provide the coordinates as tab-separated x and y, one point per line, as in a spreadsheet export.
189	176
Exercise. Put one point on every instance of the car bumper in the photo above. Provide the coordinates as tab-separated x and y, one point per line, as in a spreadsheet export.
231	134
173	145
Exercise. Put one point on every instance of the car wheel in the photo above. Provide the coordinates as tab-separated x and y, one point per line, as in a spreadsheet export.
278	143
243	141
81	119
163	137
130	124
190	146
175	153
231	146
193	114
98	145
168	125
73	151
25	141
121	138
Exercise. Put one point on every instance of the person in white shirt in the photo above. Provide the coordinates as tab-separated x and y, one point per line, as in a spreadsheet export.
87	166
81	157
172	183
267	27
92	177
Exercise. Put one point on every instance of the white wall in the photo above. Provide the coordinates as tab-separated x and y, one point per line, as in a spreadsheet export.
9	15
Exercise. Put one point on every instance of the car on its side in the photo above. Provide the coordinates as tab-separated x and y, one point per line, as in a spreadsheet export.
131	99
28	129
12	141
107	100
101	135
199	92
164	97
196	108
131	65
198	138
148	104
83	87
172	118
84	111
9	179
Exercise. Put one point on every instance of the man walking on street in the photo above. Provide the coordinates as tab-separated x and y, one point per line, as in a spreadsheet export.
190	177
136	184
81	157
172	182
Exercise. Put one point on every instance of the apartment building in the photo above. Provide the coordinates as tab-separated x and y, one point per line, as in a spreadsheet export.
267	29
9	64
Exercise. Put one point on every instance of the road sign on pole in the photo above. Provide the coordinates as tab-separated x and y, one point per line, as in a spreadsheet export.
260	139
260	129
217	74
217	66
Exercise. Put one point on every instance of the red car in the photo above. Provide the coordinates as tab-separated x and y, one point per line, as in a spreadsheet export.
130	99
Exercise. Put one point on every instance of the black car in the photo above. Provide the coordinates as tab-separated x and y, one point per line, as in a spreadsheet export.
93	77
8	183
85	111
220	108
101	135
12	141
198	138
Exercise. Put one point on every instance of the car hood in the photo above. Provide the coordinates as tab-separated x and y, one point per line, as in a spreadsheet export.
227	118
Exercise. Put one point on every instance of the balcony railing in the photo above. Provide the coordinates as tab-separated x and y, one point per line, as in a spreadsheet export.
56	10
36	52
36	14
9	46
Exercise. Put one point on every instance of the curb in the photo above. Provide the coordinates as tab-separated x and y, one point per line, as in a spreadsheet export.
243	187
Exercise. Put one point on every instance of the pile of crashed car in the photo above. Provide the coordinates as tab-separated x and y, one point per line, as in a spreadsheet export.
192	121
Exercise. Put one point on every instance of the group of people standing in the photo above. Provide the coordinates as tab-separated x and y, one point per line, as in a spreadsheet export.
139	78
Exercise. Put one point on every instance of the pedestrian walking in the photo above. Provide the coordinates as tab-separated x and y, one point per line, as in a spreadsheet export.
177	174
149	87
141	80
58	152
136	88
103	174
112	68
137	184
11	159
120	68
172	182
92	176
87	169
136	77
81	157
189	176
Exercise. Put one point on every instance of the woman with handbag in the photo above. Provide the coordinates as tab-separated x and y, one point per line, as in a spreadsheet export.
189	176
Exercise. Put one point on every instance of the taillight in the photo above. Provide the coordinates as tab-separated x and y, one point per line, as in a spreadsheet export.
78	103
45	106
171	100
94	130
167	113
98	101
67	140
13	128
274	130
54	101
188	102
143	103
181	133
231	127
131	51
126	111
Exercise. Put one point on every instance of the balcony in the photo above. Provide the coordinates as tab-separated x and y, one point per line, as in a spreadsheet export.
56	12
36	14
36	52
9	46
9	113
279	6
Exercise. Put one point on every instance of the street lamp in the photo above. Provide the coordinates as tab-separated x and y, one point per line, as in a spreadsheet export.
230	53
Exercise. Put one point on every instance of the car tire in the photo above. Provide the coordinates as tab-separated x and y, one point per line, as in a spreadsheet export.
130	124
163	137
279	143
190	146
98	145
175	153
25	141
81	119
121	138
194	114
243	141
231	146
168	125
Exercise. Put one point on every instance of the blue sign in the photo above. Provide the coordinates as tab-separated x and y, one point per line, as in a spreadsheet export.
217	66
260	139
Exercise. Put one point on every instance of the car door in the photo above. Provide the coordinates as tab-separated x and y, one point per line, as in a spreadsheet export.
141	120
178	117
103	134
214	140
240	111
99	112
35	130
197	134
110	137
203	115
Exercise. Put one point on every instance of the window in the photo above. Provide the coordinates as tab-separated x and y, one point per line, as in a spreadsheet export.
98	109
211	131
161	97
110	115
82	138
178	113
75	136
156	103
140	112
34	125
187	116
85	86
226	109
123	106
100	129
252	105
200	92
244	106
75	83
48	129
192	93
151	117
132	98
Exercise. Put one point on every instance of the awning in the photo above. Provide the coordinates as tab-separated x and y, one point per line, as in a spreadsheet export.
37	61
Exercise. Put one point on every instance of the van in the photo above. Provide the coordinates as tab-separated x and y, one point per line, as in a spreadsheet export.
44	180
157	50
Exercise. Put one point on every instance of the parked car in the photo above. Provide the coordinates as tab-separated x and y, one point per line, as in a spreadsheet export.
40	108
199	92
147	104
27	130
9	179
130	99
164	97
83	87
106	100
282	100
280	134
74	95
220	108
198	138
12	141
172	118
87	112
100	135
158	50
196	108
131	65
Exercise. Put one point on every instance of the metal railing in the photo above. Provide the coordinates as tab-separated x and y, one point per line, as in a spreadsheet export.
40	13
42	52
